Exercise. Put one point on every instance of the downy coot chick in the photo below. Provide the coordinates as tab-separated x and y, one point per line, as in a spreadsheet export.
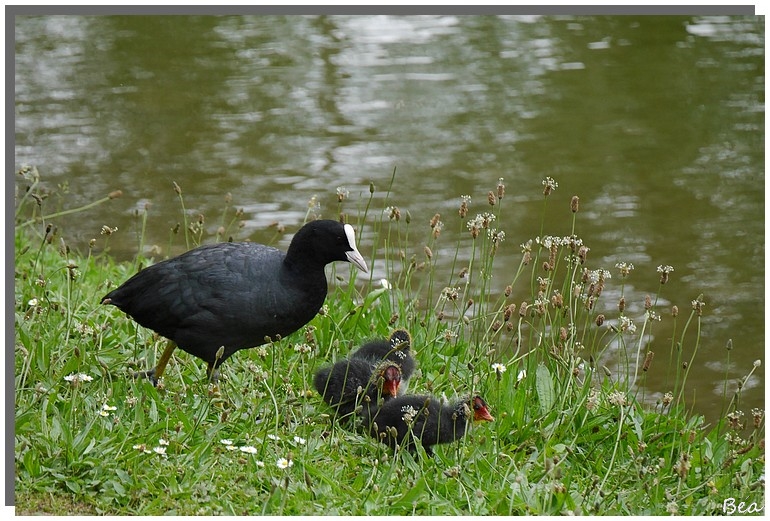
355	382
405	420
217	299
397	348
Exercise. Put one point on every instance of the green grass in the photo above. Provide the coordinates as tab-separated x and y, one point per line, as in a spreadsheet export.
570	434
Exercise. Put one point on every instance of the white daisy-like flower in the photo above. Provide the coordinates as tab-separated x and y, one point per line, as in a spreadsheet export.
160	450
284	463
300	440
259	463
248	449
499	368
32	302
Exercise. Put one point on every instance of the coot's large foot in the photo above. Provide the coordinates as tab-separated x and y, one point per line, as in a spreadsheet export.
150	375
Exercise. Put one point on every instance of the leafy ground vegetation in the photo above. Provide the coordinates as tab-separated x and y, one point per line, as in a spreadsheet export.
551	343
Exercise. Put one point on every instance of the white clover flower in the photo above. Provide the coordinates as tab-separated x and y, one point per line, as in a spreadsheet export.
248	449
284	463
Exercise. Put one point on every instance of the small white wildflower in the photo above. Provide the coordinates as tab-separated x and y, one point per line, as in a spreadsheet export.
299	440
626	324
284	463
84	329
226	442
160	450
248	449
522	375
32	302
625	268
273	437
259	463
652	315
549	185
163	442
74	378
450	293
499	368
617	398
497	236
302	348
409	413
104	413
385	284
342	193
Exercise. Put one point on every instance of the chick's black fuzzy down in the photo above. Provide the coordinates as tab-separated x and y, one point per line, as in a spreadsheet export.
396	348
411	419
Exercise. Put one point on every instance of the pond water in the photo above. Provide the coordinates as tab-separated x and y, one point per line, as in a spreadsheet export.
655	122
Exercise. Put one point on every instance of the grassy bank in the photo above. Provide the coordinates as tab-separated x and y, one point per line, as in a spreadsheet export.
571	435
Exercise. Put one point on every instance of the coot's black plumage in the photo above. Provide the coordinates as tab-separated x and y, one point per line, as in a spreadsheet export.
396	348
220	298
355	382
408	419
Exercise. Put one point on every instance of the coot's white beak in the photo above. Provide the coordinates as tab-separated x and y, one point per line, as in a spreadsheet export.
354	256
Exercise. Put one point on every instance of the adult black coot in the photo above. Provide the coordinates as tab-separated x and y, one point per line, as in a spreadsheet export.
409	419
217	299
397	348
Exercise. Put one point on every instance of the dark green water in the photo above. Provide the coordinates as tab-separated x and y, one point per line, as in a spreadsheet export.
657	123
